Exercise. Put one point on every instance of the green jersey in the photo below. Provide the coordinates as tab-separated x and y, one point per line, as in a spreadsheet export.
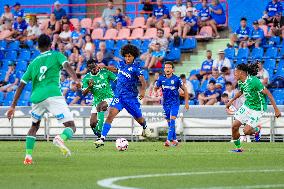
44	73
252	90
101	89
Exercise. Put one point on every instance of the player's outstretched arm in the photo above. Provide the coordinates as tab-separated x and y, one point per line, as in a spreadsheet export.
110	68
72	73
11	110
238	94
143	87
186	96
273	103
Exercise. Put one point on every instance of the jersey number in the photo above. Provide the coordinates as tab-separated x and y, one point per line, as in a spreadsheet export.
42	71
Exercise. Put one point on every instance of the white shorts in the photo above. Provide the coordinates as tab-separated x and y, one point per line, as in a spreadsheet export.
248	116
55	105
94	107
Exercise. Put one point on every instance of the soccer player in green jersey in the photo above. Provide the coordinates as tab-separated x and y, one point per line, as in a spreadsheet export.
97	81
44	73
255	103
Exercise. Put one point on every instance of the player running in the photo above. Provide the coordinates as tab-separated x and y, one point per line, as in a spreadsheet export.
44	72
129	74
97	81
170	85
254	106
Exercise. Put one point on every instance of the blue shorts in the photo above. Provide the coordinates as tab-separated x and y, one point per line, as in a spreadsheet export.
171	110
131	105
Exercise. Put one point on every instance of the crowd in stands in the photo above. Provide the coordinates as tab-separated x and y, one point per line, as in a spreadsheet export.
166	31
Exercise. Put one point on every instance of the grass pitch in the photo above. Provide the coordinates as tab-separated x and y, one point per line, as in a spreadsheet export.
206	166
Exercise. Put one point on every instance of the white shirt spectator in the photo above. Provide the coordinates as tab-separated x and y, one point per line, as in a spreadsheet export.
219	64
33	30
263	74
164	42
65	35
189	87
180	8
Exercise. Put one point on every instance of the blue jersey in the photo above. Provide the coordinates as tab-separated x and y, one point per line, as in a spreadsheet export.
192	20
128	79
71	95
75	35
119	18
272	8
220	81
207	65
160	12
204	14
21	27
170	88
89	99
219	18
256	34
242	32
20	13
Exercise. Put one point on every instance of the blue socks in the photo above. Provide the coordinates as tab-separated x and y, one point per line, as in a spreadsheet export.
106	129
144	125
172	130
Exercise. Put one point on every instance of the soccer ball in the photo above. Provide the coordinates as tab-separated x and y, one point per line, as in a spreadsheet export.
121	144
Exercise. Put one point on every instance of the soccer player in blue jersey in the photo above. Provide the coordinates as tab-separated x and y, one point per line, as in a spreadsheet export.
170	85
128	77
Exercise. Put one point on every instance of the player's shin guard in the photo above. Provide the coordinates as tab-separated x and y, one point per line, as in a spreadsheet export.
144	124
30	143
237	143
106	129
101	117
172	129
67	134
173	124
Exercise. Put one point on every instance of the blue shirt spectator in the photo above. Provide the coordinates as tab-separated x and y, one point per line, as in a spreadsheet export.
192	20
273	7
88	99
217	12
256	33
207	65
18	11
204	14
160	11
20	25
243	32
58	11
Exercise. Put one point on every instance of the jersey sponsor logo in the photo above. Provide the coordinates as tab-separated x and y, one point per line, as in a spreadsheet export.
130	69
124	73
59	116
168	87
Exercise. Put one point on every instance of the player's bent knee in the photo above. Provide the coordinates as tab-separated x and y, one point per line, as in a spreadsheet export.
70	124
93	124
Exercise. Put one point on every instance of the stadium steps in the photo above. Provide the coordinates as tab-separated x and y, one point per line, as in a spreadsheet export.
194	60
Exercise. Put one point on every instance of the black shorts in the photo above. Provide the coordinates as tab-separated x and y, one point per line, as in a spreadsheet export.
191	32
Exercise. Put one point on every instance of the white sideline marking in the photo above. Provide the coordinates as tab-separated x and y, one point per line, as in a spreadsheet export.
109	182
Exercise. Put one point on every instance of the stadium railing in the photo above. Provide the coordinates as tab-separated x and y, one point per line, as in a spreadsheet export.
200	123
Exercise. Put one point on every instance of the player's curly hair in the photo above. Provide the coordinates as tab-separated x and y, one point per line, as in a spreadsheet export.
250	69
130	49
91	62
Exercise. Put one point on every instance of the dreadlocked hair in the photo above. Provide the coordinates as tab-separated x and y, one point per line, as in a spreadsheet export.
130	49
251	68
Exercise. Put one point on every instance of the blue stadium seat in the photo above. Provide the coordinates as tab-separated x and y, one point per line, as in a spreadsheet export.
271	52
7	102
256	53
194	72
11	55
1	98
35	54
29	87
136	42
117	54
110	44
10	96
97	43
25	95
30	44
15	45
188	44
278	95
121	43
195	84
2	74
273	41
145	44
5	64
25	55
203	87
269	64
173	55
23	103
230	53
281	53
243	53
242	61
21	66
3	45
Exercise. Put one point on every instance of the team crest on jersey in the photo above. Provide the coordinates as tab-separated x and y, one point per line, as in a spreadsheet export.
130	69
172	81
101	76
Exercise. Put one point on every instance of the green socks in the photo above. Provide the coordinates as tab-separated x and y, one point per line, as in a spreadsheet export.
30	143
237	143
256	129
101	118
67	133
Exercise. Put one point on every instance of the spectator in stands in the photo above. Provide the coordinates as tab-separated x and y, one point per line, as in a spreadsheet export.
164	42
108	55
65	20
89	46
119	17
176	20
74	57
189	25
77	36
189	87
12	79
108	14
19	28
100	59
271	9
178	7
229	75
278	25
64	83
53	28
230	91
156	58
209	97
61	48
262	74
81	67
256	35
206	68
59	12
160	16
224	99
147	8
33	31
87	100
241	35
73	96
205	18
217	13
65	37
18	11
221	61
189	5
153	97
219	79
6	18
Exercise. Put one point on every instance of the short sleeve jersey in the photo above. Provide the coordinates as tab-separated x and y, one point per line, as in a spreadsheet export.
44	72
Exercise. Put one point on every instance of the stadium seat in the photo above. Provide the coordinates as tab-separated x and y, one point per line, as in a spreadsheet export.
97	33
230	53
120	44
137	33
3	44
203	86
269	63
117	53
23	103
265	30
97	43
110	34
188	44
206	32
5	64
241	61
145	45
7	103
24	55
15	45
75	22
110	44
243	53
10	96
281	53
86	23
194	72
35	54
29	87
98	19
271	52
25	96
1	98
136	42
124	33
150	33
11	55
138	22
173	55
195	84
274	41
256	53
2	74
21	66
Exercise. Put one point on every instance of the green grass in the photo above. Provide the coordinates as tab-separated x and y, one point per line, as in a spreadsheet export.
88	165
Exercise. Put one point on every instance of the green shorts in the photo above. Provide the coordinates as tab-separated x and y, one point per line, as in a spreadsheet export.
94	107
248	116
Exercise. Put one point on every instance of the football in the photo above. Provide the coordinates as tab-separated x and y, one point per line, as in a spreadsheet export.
121	144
